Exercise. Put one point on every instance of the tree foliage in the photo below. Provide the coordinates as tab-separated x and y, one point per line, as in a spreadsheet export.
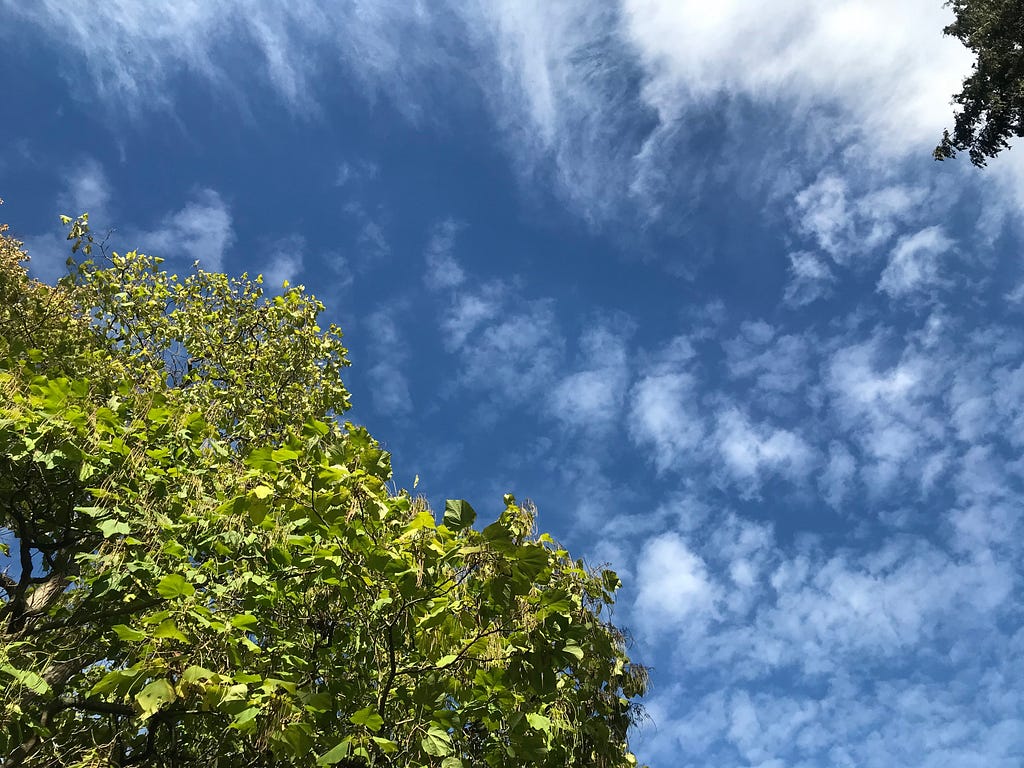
992	100
204	566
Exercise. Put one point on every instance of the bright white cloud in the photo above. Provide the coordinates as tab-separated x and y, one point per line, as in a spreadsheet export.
887	66
664	417
592	398
750	451
201	231
914	265
674	590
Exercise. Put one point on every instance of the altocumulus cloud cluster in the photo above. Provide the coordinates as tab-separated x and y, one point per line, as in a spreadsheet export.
684	273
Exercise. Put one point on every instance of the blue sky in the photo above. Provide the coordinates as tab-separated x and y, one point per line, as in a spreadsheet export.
683	274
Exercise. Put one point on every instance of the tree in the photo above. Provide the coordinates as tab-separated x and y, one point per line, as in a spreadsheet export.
204	566
992	99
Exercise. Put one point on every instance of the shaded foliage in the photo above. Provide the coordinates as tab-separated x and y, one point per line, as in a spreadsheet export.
992	99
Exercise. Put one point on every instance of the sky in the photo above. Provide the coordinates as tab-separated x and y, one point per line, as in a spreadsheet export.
683	273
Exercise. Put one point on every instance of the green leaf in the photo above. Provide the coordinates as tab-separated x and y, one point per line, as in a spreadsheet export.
169	630
29	679
154	696
386	745
367	716
437	742
262	492
335	754
111	527
574	650
128	634
279	455
539	722
174	585
451	762
246	719
458	514
262	459
194	673
243	621
111	680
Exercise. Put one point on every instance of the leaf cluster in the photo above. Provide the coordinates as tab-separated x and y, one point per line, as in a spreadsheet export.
205	565
992	99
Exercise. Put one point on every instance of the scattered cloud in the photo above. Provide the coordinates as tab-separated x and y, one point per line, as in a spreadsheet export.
284	262
665	418
749	451
675	588
807	53
201	231
355	171
443	271
914	264
593	397
370	244
811	278
84	188
389	385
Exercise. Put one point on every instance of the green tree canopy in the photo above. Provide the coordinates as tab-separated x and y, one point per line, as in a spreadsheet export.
205	567
992	100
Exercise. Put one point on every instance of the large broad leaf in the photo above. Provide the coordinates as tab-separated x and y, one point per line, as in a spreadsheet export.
539	722
334	755
128	634
367	716
437	742
29	679
458	514
174	585
154	696
110	527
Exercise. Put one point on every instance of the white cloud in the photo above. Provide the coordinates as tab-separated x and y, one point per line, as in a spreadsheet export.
135	48
847	216
811	278
887	410
888	67
836	480
284	262
779	364
87	190
914	264
84	188
510	348
355	171
675	589
201	231
389	385
750	451
443	270
664	416
604	100
371	243
592	398
469	311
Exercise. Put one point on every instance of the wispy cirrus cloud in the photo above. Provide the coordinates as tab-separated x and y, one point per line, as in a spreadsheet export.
605	101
